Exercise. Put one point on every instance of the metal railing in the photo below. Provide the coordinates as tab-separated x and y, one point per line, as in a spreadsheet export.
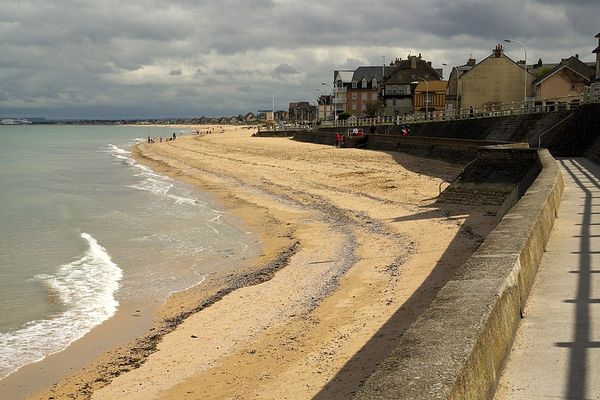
517	108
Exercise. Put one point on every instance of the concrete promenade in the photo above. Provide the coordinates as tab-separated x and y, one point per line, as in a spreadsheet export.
556	353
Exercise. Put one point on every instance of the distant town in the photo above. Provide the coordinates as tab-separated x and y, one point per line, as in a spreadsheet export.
413	86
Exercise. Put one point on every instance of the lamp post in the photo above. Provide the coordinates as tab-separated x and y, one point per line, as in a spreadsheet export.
332	101
426	95
457	90
525	76
318	106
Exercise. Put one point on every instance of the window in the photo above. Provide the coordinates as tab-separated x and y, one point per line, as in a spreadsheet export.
374	83
393	102
354	84
363	106
354	95
573	87
364	83
374	96
364	96
354	106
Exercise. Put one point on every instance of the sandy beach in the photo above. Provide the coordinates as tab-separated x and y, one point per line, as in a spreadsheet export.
354	248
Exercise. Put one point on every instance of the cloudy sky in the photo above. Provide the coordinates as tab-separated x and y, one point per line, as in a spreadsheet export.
158	58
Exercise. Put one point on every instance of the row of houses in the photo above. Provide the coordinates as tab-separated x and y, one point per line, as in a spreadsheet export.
413	85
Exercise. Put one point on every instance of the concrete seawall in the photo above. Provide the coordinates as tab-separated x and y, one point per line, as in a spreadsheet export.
459	345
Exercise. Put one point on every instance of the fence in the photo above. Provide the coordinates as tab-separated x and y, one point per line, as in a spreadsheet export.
497	110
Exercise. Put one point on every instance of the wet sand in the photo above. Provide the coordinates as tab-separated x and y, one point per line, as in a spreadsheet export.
354	248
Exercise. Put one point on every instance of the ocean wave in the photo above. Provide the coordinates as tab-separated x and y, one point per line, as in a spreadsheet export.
115	149
152	182
86	289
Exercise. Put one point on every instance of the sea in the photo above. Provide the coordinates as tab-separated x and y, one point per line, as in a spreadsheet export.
84	228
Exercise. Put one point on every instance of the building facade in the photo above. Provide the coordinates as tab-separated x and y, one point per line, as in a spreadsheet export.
396	92
301	112
363	93
453	91
570	77
325	108
430	96
495	80
342	81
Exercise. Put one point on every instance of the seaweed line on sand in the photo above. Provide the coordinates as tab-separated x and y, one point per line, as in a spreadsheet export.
135	355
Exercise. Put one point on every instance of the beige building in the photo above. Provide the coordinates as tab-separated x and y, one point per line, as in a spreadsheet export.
495	80
569	78
430	96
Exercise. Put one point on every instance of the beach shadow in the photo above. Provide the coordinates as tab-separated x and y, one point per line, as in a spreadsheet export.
357	370
438	210
434	167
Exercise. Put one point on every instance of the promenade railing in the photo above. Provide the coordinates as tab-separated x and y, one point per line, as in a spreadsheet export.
516	108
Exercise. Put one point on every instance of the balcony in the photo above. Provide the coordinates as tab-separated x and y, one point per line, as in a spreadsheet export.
339	90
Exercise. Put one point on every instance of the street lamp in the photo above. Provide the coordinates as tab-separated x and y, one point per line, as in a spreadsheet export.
332	101
457	90
318	106
426	94
525	84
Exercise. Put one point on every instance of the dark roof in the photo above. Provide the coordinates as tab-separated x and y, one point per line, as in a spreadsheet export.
598	35
596	50
370	72
403	73
572	63
324	99
299	104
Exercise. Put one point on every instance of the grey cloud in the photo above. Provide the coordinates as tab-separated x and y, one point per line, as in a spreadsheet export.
352	63
112	56
284	69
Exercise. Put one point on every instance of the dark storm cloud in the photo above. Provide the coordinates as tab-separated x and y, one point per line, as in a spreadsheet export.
177	57
284	69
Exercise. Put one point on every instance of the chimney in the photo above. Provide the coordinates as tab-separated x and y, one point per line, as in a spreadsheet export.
429	63
577	56
498	51
540	63
471	62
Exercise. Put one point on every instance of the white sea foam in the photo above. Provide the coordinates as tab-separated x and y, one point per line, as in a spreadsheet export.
116	149
152	182
86	288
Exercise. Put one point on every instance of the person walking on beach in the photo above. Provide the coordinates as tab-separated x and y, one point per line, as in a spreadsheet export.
174	136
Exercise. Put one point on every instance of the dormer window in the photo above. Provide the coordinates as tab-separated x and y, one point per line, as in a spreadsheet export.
354	84
364	83
374	83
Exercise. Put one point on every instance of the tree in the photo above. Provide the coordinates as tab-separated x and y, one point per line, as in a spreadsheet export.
373	108
344	116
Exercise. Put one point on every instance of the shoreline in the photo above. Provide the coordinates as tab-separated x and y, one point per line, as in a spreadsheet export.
124	355
291	224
